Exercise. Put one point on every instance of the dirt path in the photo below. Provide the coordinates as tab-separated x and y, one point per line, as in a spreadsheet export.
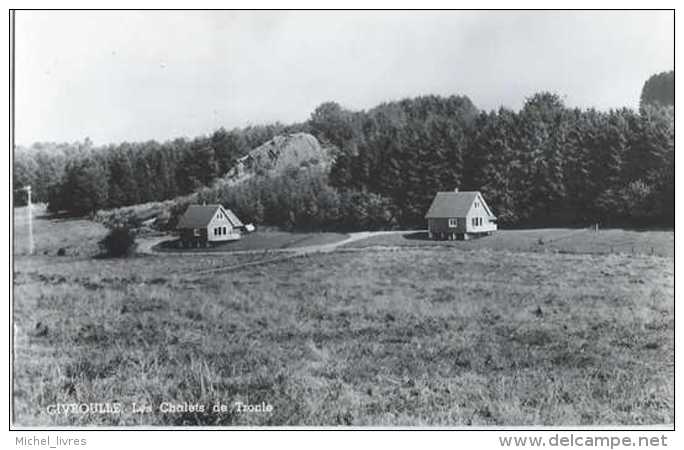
146	247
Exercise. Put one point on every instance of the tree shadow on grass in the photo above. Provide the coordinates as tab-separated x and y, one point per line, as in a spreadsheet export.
174	245
60	216
417	236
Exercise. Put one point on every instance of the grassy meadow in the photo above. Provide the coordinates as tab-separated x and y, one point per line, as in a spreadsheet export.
428	335
554	240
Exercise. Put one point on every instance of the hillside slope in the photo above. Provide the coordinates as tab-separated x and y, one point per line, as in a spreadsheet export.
269	159
278	154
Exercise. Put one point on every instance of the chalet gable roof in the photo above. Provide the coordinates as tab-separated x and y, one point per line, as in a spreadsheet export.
199	216
454	204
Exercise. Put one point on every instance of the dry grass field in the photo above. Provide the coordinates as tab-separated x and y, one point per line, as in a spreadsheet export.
553	240
432	335
78	237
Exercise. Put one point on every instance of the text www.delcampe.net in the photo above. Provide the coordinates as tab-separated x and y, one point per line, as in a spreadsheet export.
574	440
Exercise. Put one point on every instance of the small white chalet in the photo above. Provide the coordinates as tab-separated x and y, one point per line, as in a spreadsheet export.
458	215
202	225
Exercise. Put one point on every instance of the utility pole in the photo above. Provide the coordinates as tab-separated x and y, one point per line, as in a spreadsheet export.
29	211
30	218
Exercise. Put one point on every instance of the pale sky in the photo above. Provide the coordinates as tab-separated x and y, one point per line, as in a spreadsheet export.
139	75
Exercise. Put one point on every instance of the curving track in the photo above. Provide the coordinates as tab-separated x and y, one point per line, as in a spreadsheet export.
146	247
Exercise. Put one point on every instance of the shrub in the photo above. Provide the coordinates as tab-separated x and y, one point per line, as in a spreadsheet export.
119	242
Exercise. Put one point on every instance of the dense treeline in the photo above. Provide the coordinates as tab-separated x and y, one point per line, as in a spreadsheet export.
546	164
301	199
543	165
81	179
658	90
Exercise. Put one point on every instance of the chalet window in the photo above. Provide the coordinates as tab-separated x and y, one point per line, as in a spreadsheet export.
196	231
452	223
224	230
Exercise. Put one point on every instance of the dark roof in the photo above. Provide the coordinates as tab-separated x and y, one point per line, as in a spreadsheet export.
452	204
199	216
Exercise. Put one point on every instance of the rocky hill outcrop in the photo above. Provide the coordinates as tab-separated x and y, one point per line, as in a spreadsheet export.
278	154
